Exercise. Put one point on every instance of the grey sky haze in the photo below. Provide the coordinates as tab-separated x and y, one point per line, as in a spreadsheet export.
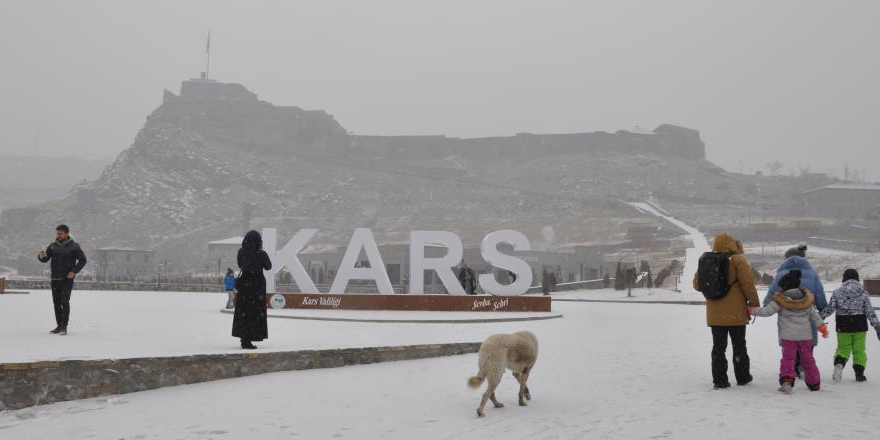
795	81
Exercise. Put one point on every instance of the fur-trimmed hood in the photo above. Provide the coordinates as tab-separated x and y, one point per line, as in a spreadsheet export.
794	299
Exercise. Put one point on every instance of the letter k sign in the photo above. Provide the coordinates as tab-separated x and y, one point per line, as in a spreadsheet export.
287	257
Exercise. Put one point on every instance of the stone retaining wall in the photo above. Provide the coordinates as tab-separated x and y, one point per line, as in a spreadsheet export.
37	383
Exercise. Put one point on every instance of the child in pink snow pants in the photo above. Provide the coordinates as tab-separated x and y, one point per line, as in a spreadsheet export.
796	314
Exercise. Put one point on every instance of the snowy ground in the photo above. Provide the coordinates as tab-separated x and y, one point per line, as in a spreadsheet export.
136	324
604	371
638	295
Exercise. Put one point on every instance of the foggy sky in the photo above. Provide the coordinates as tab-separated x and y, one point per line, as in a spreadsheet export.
795	81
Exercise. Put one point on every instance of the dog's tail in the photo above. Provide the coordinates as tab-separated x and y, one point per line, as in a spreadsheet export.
476	381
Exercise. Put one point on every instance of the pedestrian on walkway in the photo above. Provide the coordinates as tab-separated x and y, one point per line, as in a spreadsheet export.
854	310
796	259
229	285
249	322
727	314
67	260
797	318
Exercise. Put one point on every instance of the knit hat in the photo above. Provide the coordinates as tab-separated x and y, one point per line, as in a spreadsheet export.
791	280
850	274
800	251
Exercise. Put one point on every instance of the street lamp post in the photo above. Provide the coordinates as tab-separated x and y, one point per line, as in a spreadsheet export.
220	264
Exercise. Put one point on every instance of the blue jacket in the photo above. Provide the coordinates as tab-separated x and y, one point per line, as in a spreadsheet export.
809	279
229	282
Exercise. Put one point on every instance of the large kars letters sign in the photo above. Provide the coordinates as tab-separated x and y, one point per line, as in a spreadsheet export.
362	240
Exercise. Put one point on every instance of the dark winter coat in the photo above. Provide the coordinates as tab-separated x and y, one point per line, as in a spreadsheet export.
809	280
545	282
853	308
66	256
467	279
731	309
249	322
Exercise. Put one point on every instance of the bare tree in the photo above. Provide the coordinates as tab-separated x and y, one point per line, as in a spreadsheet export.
774	167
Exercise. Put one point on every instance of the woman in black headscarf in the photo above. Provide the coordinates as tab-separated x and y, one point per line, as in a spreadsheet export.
249	323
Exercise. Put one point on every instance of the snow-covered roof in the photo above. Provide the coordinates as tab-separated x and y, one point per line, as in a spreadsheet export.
230	240
845	186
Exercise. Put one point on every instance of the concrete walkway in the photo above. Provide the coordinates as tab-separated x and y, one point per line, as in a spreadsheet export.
692	254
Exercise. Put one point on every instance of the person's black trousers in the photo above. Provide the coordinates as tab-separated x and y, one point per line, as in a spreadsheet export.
740	354
61	299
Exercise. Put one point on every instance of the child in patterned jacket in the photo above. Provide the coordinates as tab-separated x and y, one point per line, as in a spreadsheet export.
796	317
854	310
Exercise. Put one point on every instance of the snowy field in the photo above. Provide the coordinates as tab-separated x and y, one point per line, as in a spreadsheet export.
616	371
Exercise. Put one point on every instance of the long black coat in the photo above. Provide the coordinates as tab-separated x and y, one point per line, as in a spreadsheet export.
249	322
66	257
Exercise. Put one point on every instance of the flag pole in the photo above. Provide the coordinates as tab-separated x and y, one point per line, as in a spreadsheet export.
208	52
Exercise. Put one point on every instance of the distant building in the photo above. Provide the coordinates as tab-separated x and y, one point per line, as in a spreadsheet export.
122	263
224	253
840	200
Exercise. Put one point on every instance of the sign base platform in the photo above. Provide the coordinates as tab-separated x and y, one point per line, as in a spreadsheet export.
422	303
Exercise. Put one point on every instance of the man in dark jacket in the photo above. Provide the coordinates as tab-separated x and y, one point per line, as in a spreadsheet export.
67	260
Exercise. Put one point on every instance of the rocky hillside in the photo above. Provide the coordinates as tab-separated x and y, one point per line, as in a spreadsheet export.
216	159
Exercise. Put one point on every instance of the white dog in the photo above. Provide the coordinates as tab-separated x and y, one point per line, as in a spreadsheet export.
517	352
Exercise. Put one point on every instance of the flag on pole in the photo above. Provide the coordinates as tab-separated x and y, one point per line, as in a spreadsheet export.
208	47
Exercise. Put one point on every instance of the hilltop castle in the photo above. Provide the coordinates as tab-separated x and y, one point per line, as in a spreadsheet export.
235	114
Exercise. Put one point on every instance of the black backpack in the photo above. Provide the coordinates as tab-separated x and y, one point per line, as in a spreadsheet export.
712	273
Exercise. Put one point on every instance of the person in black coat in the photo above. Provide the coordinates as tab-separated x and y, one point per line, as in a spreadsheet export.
67	260
467	279
249	322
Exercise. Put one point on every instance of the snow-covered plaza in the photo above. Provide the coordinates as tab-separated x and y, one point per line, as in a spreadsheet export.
605	370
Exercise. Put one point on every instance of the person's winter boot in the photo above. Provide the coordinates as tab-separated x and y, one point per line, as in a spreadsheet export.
55	330
721	386
839	363
745	381
787	384
814	387
860	373
247	345
838	372
229	304
63	330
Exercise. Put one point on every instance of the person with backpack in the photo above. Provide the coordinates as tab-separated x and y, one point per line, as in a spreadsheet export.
854	310
796	259
724	276
794	304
